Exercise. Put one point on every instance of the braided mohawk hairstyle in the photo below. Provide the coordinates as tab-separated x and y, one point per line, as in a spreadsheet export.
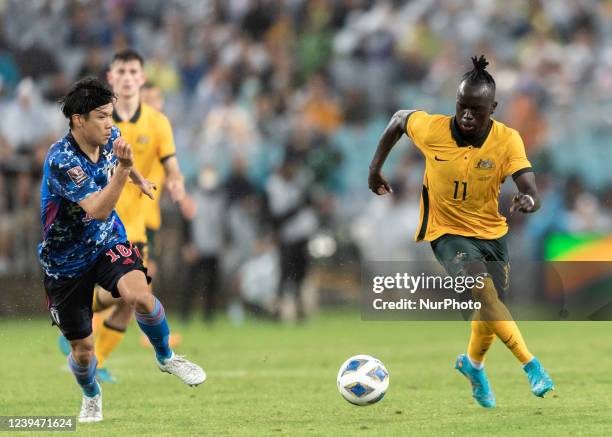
478	75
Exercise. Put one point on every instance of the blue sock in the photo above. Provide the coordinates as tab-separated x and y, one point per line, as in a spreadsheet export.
155	327
85	375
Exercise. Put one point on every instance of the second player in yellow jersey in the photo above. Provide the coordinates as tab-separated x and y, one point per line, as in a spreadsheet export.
150	134
467	158
462	181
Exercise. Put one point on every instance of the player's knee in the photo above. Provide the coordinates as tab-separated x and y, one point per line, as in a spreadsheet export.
487	296
83	352
121	315
143	302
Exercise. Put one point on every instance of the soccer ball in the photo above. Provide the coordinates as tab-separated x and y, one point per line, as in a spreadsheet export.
363	380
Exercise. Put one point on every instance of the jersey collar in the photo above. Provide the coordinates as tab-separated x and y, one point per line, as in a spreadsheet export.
134	118
461	141
73	143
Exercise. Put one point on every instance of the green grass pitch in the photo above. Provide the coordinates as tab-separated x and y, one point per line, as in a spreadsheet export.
272	380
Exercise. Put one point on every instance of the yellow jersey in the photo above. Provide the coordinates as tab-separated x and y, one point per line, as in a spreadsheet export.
461	182
150	135
152	210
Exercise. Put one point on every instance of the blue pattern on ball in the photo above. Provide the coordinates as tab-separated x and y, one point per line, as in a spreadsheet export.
358	390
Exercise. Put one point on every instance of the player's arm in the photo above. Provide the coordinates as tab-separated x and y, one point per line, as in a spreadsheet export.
100	204
393	132
174	179
527	199
145	185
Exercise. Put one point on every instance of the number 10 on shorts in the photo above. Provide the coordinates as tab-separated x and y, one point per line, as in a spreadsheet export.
124	252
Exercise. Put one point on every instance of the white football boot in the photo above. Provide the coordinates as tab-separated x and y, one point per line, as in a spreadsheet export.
188	372
91	409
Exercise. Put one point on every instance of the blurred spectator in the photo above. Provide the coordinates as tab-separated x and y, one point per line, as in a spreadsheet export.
384	230
294	221
161	71
319	111
228	130
202	252
95	64
28	129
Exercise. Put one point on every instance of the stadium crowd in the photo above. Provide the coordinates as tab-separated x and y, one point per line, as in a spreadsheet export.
277	107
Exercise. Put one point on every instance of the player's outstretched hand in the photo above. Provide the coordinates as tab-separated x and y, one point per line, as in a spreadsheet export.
523	203
378	184
147	187
123	152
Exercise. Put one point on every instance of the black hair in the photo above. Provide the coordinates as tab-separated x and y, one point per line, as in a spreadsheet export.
478	75
84	96
128	55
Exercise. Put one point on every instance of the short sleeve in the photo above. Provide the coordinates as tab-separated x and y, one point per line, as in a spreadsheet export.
516	161
418	126
166	139
69	180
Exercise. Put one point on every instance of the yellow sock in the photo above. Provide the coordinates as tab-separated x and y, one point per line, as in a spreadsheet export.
499	320
107	340
101	311
480	341
96	322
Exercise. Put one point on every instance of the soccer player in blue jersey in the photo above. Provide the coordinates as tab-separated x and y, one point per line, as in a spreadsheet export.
84	241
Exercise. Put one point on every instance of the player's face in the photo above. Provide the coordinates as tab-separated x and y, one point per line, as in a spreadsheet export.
475	104
126	78
97	127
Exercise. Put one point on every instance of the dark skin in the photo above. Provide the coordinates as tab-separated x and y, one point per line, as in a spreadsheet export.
474	107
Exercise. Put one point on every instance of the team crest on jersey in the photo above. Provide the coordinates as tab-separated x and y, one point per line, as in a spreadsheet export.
77	175
485	164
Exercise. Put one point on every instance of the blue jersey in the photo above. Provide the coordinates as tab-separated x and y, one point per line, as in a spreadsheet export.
73	240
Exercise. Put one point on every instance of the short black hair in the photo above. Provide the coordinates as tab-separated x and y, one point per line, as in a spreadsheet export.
478	75
128	55
84	96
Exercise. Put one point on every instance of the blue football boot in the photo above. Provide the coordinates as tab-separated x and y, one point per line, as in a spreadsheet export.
541	383
481	391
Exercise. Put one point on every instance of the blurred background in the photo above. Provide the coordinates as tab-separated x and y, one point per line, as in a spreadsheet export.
277	107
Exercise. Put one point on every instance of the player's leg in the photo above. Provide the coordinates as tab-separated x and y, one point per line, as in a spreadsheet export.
82	363
499	268
151	318
125	276
70	308
102	304
112	317
109	335
493	268
453	252
466	256
481	339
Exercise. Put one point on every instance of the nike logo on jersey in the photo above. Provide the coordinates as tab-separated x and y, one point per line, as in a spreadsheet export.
438	159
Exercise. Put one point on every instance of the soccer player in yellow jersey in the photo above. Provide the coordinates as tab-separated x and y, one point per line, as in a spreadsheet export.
150	134
467	157
153	96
